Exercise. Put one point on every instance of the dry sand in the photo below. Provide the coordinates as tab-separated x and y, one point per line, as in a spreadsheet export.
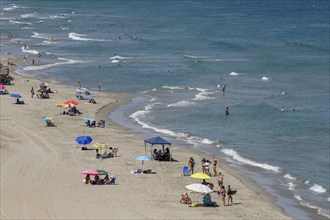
40	167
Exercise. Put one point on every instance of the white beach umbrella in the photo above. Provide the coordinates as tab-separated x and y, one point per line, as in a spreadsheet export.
197	187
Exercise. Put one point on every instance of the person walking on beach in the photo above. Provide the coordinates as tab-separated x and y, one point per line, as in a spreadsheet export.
220	180
203	161
191	164
230	198
214	163
99	88
222	194
32	92
79	85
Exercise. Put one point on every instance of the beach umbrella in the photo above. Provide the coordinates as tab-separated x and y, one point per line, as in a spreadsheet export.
142	158
43	90
43	85
91	96
200	176
73	102
89	119
102	172
197	187
80	90
15	95
84	140
2	87
90	172
47	118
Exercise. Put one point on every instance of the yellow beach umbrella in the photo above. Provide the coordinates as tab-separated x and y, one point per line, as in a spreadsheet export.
200	176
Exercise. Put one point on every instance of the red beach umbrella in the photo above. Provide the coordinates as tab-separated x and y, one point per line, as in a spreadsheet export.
71	102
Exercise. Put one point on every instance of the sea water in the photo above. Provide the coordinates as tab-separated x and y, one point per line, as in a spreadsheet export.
174	57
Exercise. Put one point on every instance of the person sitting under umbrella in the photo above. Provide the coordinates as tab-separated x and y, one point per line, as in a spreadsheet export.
19	102
208	184
207	200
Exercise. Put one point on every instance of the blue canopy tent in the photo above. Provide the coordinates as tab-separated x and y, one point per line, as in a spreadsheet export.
156	141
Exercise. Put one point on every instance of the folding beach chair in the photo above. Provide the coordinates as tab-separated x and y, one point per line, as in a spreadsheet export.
185	171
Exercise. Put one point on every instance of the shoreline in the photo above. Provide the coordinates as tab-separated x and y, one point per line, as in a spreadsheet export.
251	195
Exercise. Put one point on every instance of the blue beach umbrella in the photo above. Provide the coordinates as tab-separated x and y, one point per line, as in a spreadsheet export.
89	119
80	90
47	118
142	158
84	140
15	95
91	96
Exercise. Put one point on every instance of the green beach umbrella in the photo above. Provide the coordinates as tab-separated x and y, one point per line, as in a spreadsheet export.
102	172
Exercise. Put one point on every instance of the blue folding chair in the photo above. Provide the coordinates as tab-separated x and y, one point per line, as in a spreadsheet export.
185	171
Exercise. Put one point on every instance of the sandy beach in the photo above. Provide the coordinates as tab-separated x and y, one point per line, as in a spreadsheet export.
41	166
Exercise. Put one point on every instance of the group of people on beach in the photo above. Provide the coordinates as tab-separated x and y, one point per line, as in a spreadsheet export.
97	181
222	192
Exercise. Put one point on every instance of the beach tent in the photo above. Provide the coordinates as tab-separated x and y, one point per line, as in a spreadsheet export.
156	141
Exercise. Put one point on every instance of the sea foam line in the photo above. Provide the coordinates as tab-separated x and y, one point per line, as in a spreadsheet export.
81	37
238	157
46	66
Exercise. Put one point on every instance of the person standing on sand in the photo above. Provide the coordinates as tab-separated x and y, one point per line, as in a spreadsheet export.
220	180
230	198
79	85
214	163
222	194
32	92
191	164
99	88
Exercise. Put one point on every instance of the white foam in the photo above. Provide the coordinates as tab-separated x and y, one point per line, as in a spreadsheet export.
13	7
204	95
328	199
82	37
47	66
264	78
196	57
236	74
238	157
183	103
19	22
288	176
292	186
173	87
320	210
29	51
41	36
59	16
317	188
119	58
307	181
34	15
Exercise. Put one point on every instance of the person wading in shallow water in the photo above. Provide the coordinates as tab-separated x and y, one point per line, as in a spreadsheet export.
227	111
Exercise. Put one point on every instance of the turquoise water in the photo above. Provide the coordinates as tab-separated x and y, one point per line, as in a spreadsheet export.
174	56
